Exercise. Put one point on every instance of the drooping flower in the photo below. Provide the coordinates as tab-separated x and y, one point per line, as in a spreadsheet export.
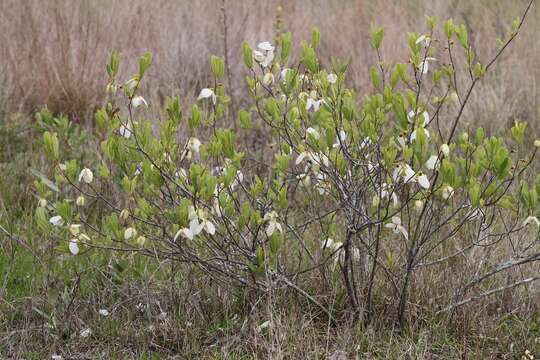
387	192
396	227
332	78
56	220
313	104
86	175
86	332
197	223
405	172
331	244
265	46
311	131
447	192
125	130
273	224
422	180
424	65
73	246
103	312
75	229
531	220
268	79
138	101
445	149
265	55
433	162
193	145
130	233
207	93
80	200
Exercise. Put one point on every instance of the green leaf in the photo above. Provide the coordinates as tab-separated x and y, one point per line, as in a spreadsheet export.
377	35
218	66
247	54
113	65
144	63
50	141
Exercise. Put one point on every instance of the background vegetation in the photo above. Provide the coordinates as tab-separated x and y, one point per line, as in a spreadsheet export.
52	53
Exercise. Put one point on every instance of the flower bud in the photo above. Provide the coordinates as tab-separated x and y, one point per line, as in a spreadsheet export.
74	229
537	143
130	233
81	201
418	205
124	214
141	240
268	79
42	202
445	149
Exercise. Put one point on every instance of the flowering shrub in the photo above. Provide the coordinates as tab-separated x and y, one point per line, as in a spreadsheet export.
372	188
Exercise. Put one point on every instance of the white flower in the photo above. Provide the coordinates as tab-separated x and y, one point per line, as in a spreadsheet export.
86	175
445	149
197	224
125	130
386	192
424	65
531	220
331	244
397	228
340	139
130	233
433	162
209	227
537	143
312	132
418	205
422	180
413	134
258	56
103	312
304	179
420	39
73	246
447	192
411	115
138	101
57	220
283	73
265	54
86	332
404	171
265	46
401	140
80	201
193	145
56	357
180	173
332	78
131	83
312	158
313	104
207	93
273	225
42	202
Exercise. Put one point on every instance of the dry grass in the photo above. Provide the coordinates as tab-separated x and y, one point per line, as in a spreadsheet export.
52	52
